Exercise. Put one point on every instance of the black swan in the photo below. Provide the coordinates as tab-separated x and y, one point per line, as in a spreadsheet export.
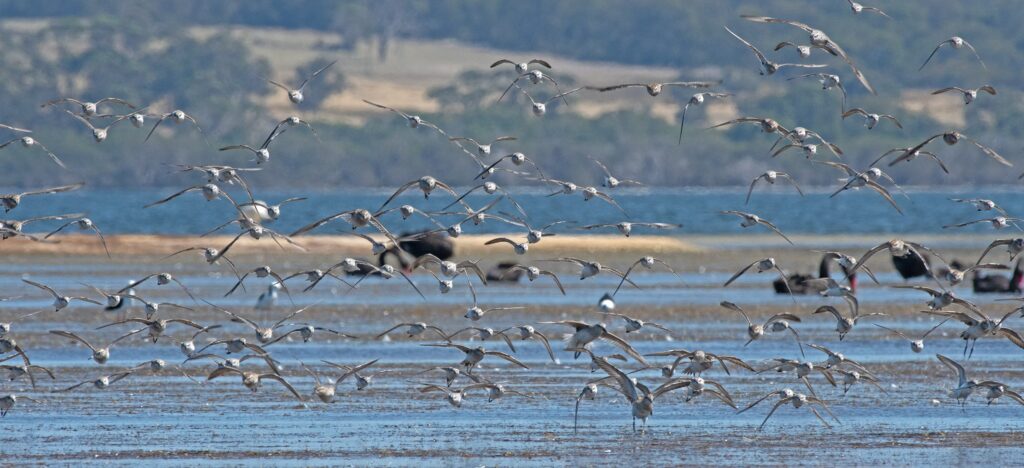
503	272
439	244
911	265
797	281
988	283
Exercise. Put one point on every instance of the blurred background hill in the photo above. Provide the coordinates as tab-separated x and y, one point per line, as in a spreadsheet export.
431	57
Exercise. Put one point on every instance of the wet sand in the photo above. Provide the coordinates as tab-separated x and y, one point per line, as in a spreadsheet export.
167	418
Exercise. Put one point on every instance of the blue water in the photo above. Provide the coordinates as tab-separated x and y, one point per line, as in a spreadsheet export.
861	212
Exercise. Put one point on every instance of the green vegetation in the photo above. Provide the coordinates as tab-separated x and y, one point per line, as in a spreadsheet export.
141	51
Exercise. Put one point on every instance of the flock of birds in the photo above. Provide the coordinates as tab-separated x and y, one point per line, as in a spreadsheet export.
252	217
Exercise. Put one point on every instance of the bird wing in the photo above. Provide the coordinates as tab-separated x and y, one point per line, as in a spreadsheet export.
740	273
961	374
621	343
507	357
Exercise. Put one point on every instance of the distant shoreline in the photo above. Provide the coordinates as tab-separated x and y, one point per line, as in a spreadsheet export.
472	245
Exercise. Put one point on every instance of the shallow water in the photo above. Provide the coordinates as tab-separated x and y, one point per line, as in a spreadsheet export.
170	419
121	212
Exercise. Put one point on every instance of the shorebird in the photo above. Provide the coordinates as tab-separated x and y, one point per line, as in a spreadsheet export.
535	77
154	328
356	218
495	391
798	139
626	227
750	219
211	255
353	371
941	299
951	138
452	269
647	262
699	361
969	94
696	100
997	222
532	273
634	324
455	397
188	347
589	392
177	116
956	42
776	323
527	332
473	356
5	327
82	224
828	81
767	67
771	177
475	312
481	148
210	192
981	204
857	8
798	400
162	279
489	188
519	248
306	331
13	228
89	108
654	89
819	39
99	354
964	387
101	383
835	359
1013	246
997	390
590	268
762	266
29	142
265	334
588	193
7	402
484	334
871	119
896	248
414	329
16	372
414	121
325	390
8	344
844	325
585	334
540	108
517	159
611	181
916	345
909	154
11	201
980	326
235	345
522	67
289	122
253	380
640	398
60	301
450	373
260	272
98	133
802	49
295	95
